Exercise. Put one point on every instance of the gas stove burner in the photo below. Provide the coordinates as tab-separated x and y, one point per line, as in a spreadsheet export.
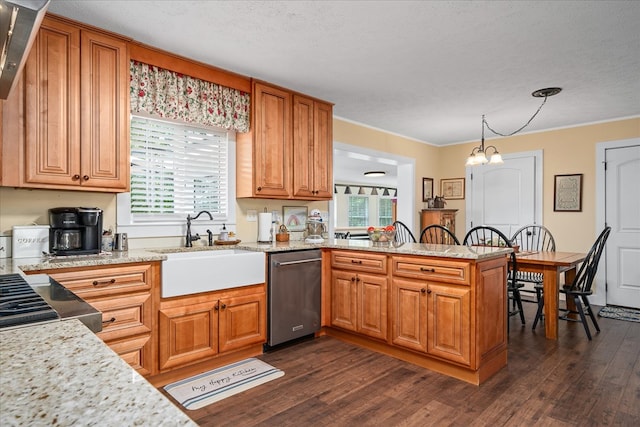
20	304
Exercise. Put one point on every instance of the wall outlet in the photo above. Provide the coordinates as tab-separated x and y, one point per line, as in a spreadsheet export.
252	215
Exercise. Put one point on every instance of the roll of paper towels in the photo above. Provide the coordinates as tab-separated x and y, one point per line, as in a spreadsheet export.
264	226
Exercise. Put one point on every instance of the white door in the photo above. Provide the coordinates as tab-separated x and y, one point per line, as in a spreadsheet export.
506	196
622	214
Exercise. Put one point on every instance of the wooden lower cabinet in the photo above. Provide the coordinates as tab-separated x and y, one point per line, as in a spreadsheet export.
449	323
197	328
359	299
444	314
409	314
432	318
124	294
359	303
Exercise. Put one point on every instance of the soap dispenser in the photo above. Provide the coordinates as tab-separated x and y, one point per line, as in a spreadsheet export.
224	235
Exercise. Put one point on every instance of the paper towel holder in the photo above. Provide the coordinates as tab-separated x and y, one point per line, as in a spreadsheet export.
265	232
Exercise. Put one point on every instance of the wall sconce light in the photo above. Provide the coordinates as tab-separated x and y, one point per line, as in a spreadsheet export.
385	192
374	192
361	191
479	154
347	190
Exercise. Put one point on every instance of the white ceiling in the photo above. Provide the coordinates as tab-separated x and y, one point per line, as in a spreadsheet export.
426	70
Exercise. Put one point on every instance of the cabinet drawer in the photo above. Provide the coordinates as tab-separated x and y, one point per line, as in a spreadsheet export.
135	352
124	316
458	272
106	281
359	261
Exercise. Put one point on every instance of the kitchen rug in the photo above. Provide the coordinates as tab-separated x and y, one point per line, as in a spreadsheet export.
620	313
209	387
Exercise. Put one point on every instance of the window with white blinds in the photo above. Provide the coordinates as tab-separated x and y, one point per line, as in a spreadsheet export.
176	170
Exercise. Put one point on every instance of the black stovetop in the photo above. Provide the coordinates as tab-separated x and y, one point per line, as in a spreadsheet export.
20	304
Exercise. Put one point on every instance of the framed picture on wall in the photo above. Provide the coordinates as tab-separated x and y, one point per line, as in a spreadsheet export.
452	188
295	217
567	193
427	189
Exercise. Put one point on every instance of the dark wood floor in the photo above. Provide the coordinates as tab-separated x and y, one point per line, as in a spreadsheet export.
568	382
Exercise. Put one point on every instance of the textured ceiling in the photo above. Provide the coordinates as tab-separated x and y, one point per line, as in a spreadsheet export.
427	70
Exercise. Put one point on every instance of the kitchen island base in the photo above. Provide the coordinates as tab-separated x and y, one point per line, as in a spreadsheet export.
447	314
492	364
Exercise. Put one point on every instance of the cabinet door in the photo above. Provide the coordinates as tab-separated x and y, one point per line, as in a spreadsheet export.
322	151
242	321
105	112
312	149
448	219
52	106
272	139
372	305
344	300
409	314
449	320
303	152
187	334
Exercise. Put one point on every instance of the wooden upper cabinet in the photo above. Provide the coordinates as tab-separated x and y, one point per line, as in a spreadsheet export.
312	149
272	141
52	119
264	153
76	113
104	111
287	154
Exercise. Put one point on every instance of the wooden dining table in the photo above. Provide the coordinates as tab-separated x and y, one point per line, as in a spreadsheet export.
551	265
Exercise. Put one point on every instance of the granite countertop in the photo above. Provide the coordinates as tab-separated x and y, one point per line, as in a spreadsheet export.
61	373
9	265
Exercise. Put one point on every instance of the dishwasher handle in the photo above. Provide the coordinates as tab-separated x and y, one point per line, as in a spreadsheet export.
302	261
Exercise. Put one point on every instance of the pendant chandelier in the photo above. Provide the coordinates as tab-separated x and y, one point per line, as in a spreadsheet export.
479	154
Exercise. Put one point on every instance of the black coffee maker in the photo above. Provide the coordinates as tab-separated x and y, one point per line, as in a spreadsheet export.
75	231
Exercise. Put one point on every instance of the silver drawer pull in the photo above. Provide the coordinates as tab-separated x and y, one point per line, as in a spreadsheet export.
302	261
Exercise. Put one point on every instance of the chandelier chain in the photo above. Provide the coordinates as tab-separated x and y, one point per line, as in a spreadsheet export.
518	130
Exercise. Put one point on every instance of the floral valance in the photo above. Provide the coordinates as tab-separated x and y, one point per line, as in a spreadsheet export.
177	96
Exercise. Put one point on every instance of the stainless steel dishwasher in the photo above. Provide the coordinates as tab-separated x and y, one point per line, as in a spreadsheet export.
293	295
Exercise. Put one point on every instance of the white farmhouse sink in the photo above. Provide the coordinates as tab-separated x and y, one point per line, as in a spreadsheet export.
185	273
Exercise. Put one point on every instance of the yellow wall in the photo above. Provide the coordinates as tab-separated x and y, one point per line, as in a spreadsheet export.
565	151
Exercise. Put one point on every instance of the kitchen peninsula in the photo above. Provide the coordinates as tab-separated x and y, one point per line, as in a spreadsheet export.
438	306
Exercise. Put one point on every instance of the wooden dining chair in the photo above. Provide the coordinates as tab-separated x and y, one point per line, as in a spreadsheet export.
532	238
581	287
403	233
438	234
488	236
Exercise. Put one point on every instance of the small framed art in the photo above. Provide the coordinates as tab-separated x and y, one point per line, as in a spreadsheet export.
452	188
427	189
295	217
567	193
